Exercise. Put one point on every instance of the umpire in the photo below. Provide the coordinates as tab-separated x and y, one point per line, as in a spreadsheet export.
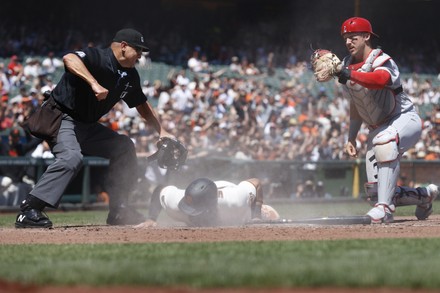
94	81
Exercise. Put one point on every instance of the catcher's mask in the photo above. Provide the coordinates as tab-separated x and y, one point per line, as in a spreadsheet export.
171	154
357	25
200	196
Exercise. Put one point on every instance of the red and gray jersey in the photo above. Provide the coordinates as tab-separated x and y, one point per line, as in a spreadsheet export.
377	106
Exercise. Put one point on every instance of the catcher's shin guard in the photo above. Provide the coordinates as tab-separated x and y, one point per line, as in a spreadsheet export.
424	210
388	165
403	196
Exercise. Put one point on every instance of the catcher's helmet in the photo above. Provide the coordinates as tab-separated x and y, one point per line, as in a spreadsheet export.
357	25
200	196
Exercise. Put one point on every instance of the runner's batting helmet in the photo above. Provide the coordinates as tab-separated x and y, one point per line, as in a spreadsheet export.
200	196
357	25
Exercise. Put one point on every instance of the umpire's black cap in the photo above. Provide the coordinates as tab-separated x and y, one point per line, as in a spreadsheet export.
131	37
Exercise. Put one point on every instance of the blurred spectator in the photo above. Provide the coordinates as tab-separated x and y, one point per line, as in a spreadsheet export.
152	91
42	151
51	63
163	101
249	68
32	70
195	63
235	66
5	85
147	89
15	71
22	94
182	98
321	191
20	178
48	84
144	62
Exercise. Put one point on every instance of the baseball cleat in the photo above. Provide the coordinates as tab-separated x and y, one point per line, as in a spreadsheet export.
423	211
32	218
125	216
381	213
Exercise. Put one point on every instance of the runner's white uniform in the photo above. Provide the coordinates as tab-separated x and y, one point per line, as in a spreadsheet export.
234	202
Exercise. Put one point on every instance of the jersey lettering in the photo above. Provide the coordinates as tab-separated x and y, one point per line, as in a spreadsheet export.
123	94
80	54
122	74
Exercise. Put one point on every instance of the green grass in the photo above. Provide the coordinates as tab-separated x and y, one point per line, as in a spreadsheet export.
403	263
398	263
310	210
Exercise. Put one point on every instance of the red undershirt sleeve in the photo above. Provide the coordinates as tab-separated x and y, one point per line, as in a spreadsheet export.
372	80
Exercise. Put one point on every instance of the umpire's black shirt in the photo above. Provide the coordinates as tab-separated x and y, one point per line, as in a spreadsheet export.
77	97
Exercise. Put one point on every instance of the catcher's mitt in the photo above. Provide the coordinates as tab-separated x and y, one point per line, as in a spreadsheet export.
325	64
171	153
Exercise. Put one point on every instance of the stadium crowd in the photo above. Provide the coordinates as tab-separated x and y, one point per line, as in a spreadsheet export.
230	112
220	104
242	117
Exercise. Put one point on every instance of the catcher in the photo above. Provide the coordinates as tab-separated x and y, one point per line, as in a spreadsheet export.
371	81
208	203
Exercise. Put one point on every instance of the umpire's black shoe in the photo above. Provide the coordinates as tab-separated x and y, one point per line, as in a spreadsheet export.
32	218
125	216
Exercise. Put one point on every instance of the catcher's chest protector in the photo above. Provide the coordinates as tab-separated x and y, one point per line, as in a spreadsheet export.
374	106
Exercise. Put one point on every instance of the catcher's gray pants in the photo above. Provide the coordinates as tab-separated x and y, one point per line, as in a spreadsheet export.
76	139
409	128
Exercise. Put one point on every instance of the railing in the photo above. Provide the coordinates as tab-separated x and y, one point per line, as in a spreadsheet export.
84	196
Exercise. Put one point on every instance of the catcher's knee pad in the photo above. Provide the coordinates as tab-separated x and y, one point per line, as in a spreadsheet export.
385	145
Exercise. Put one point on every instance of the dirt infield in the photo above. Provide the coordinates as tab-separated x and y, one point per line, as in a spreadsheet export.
6	287
404	227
